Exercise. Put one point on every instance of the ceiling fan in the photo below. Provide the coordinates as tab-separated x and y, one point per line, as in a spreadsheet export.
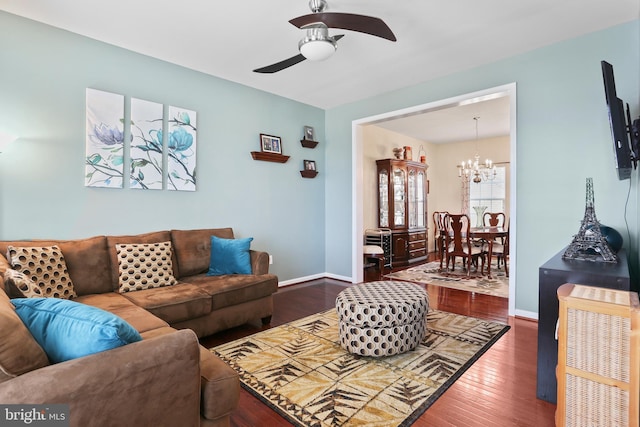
318	45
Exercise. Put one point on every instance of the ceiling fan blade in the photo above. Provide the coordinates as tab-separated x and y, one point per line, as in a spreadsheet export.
347	21
279	66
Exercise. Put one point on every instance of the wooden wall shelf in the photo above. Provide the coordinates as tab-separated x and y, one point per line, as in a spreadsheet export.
269	157
308	174
306	143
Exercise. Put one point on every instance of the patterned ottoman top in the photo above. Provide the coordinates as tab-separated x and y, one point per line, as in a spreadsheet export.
382	304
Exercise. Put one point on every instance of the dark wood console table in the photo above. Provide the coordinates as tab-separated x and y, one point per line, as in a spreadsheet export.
552	275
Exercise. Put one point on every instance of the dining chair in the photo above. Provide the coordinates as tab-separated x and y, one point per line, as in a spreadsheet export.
500	250
373	262
494	219
439	232
458	242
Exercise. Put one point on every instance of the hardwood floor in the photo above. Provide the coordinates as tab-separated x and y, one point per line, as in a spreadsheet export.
498	390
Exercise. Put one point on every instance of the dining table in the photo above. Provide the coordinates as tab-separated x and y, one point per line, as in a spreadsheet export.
488	234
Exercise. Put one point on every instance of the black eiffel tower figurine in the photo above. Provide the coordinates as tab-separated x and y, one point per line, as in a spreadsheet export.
589	244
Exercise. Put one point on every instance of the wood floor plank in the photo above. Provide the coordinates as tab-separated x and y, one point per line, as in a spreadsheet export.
497	390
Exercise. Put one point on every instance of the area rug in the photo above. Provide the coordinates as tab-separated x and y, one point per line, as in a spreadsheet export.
430	274
300	370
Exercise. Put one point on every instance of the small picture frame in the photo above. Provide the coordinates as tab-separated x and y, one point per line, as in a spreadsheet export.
309	165
308	133
270	144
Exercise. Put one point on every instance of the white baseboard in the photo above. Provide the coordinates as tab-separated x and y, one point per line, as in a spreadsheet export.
338	277
527	314
314	277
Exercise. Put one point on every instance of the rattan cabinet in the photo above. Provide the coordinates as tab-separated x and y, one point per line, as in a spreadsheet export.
552	274
598	357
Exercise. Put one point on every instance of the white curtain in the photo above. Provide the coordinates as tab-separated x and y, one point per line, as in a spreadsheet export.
465	196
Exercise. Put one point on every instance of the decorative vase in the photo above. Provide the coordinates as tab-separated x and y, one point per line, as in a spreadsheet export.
422	155
407	153
479	213
398	152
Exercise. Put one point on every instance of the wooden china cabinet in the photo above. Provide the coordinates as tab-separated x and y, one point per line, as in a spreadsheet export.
402	208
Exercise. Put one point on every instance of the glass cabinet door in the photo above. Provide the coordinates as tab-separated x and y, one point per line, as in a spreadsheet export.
383	194
402	195
411	201
398	176
420	201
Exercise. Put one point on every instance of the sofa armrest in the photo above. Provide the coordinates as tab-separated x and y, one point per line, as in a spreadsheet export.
151	382
259	262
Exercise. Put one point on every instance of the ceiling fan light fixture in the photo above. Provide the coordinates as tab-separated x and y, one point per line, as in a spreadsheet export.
317	45
317	50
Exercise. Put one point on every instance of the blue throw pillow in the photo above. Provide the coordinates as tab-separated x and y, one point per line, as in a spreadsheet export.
66	329
229	256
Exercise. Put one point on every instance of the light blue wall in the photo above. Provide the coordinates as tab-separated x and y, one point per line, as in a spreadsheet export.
563	137
43	76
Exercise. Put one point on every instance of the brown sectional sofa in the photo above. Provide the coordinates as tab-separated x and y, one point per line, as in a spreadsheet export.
168	378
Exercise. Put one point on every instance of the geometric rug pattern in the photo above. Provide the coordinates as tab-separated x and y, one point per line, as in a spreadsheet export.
300	370
430	274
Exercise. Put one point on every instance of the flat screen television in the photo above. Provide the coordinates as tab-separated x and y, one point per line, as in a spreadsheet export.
624	132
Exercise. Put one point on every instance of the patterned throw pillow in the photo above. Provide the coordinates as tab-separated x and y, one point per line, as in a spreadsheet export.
46	267
144	266
22	283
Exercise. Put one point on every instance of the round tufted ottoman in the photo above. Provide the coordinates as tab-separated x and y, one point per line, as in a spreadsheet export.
382	318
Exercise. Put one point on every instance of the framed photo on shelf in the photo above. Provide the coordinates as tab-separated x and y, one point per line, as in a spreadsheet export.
308	133
270	144
309	165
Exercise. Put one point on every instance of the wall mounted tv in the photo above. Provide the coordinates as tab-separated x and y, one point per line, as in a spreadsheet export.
625	133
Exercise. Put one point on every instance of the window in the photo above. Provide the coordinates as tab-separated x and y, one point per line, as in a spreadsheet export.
491	194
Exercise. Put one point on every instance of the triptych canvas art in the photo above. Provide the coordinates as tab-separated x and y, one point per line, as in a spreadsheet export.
153	161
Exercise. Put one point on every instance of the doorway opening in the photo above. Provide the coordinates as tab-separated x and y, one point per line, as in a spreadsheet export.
358	182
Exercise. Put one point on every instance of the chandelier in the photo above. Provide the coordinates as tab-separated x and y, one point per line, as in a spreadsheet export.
473	169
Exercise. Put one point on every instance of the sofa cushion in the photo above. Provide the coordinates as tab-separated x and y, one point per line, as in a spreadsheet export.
192	249
19	351
144	266
67	330
173	304
87	262
112	241
117	304
230	256
4	264
234	289
21	283
44	265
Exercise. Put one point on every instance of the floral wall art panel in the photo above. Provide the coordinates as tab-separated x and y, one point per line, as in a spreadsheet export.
146	145
104	139
181	150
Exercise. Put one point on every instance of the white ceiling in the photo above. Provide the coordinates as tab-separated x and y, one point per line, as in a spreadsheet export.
229	39
456	123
